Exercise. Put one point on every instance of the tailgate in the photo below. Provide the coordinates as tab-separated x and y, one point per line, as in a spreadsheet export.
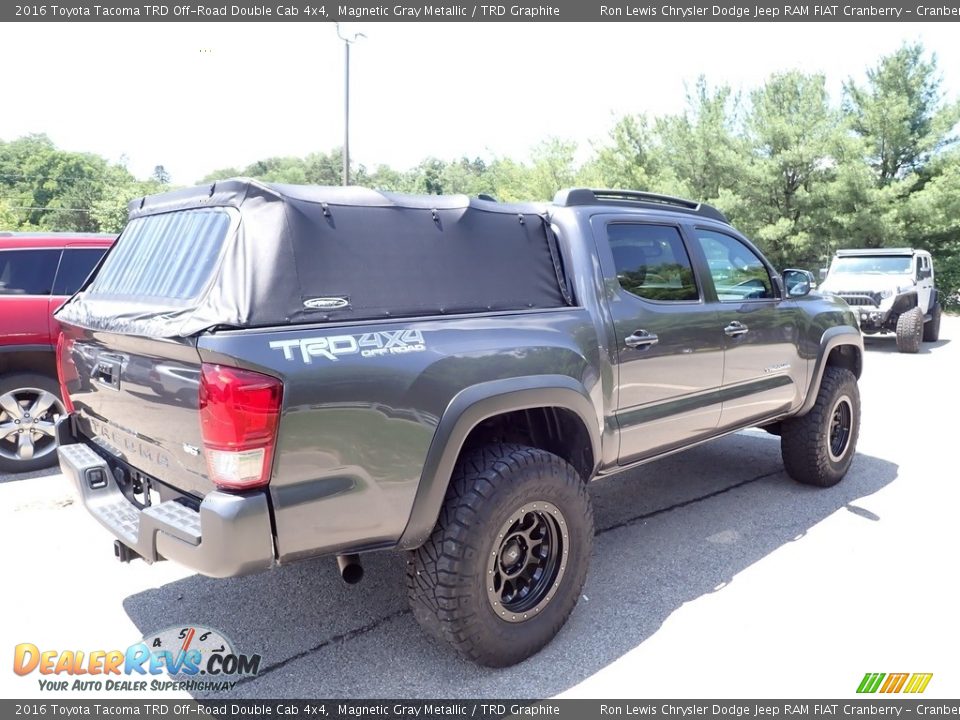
133	380
137	399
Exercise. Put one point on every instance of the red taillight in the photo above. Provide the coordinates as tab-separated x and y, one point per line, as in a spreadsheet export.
239	411
65	369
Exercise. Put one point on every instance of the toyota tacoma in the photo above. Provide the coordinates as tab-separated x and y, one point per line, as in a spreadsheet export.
263	373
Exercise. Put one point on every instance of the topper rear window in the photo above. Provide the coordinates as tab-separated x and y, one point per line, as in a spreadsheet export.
169	257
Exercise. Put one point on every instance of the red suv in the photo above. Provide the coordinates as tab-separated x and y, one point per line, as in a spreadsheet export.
38	271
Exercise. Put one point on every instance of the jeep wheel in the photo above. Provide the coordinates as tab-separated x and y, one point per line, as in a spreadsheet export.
818	447
29	406
909	330
931	330
504	567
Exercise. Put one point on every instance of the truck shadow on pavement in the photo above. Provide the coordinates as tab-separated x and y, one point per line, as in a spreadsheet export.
668	533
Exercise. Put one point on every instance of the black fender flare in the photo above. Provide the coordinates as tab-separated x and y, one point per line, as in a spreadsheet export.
469	408
904	302
831	339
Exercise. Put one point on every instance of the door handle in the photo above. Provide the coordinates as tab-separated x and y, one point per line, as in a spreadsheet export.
641	338
736	329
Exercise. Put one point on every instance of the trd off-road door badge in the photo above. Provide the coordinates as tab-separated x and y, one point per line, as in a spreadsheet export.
374	344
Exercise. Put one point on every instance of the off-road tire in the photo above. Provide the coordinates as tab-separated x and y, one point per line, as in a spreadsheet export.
806	442
22	386
909	330
448	577
931	330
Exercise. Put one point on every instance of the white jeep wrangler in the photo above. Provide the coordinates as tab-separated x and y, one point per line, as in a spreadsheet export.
890	290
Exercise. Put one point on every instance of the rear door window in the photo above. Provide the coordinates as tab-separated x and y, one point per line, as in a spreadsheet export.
169	257
75	266
27	272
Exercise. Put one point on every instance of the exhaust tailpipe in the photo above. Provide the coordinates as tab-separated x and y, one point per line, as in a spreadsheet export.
350	568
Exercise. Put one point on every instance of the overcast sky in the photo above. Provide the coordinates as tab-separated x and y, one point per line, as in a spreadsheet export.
195	97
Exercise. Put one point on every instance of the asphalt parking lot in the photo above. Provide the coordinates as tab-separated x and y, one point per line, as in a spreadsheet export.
713	575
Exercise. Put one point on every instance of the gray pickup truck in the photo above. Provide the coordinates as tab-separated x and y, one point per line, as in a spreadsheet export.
258	373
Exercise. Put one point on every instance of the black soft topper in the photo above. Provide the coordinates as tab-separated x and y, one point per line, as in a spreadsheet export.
240	253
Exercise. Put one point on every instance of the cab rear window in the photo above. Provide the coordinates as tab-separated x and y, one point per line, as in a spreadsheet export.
168	257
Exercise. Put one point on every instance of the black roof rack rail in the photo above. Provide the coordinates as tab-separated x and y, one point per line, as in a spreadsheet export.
588	196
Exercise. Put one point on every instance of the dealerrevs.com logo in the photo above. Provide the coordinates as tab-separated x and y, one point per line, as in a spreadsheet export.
194	658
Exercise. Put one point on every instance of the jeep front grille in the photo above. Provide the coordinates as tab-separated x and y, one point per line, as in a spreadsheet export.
860	298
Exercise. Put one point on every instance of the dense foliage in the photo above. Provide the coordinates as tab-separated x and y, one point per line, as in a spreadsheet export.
794	169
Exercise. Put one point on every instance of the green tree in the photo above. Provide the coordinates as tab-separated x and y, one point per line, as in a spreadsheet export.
509	179
468	177
221	174
109	212
553	167
317	168
901	114
327	169
796	140
8	217
160	175
907	127
628	160
386	178
54	189
427	177
703	147
930	218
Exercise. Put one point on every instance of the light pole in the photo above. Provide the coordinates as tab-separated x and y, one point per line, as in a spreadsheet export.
347	42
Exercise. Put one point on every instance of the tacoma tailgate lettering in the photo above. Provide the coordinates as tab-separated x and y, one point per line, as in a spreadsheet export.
127	442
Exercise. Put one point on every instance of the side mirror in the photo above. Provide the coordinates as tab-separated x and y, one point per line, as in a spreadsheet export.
823	274
797	282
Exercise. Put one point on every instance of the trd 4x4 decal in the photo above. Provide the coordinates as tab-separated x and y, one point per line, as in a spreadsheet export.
386	342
